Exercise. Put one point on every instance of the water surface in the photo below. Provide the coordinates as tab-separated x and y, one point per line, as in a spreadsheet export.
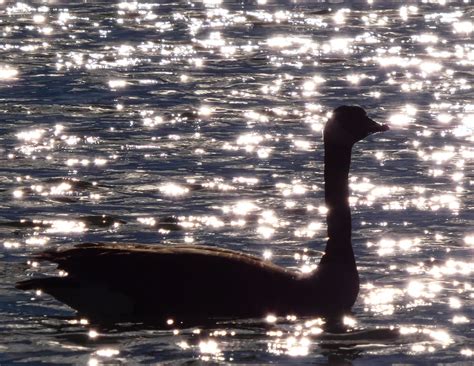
200	122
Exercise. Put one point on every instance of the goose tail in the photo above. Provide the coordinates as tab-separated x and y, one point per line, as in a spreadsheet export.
40	283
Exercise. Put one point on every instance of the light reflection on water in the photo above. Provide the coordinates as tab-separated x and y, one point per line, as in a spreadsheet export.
201	123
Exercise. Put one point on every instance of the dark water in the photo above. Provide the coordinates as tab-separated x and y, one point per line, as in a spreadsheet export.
200	122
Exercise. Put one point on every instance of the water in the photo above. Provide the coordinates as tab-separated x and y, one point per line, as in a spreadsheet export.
208	116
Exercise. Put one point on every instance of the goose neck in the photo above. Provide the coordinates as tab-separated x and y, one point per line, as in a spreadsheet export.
337	160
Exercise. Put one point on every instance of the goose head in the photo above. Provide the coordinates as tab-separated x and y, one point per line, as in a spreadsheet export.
349	124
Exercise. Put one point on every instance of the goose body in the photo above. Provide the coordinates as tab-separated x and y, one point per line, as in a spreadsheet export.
123	282
153	282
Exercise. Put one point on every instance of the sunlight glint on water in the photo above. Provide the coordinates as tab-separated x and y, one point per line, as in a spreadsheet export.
200	123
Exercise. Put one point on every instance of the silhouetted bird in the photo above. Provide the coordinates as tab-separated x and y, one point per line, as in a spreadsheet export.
121	282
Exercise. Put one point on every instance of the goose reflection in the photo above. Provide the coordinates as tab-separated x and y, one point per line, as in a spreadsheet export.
122	282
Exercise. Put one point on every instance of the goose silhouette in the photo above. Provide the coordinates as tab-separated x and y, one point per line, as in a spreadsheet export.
122	282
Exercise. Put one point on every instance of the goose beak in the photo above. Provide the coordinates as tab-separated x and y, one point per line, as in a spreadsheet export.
374	127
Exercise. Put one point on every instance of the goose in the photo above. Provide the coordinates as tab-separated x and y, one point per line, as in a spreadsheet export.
139	282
